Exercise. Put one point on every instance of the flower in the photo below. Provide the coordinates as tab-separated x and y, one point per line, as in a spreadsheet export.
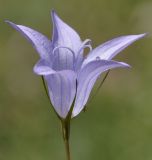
69	75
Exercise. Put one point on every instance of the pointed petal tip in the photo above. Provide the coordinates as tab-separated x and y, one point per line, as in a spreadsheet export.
139	36
15	26
120	64
142	35
11	24
53	11
6	21
54	15
125	65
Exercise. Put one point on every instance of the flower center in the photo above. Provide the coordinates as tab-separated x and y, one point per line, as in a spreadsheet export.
63	58
81	54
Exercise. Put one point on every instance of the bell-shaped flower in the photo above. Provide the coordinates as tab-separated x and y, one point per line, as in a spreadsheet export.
70	76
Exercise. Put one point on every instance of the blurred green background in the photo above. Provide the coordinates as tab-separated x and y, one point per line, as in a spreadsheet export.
118	122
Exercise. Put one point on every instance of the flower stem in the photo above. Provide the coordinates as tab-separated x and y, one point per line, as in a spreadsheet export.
66	137
67	150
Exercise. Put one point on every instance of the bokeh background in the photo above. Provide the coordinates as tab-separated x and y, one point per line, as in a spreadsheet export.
118	122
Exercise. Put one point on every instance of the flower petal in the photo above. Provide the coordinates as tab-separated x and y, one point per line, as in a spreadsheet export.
42	67
87	78
80	56
40	42
64	59
111	48
62	89
64	35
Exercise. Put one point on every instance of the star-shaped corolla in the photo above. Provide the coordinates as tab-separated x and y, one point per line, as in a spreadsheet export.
69	75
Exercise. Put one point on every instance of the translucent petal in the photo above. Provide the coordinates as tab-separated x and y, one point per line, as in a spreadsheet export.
63	58
111	48
62	89
87	78
64	35
42	67
40	42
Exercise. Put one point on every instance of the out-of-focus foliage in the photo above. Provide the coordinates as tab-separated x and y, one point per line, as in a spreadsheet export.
118	122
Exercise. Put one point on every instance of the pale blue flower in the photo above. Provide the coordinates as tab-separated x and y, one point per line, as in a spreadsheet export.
70	75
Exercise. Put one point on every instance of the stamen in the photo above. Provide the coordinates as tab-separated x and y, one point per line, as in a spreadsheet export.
80	56
87	41
71	51
85	44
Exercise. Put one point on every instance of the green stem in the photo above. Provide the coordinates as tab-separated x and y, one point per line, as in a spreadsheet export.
67	150
66	137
